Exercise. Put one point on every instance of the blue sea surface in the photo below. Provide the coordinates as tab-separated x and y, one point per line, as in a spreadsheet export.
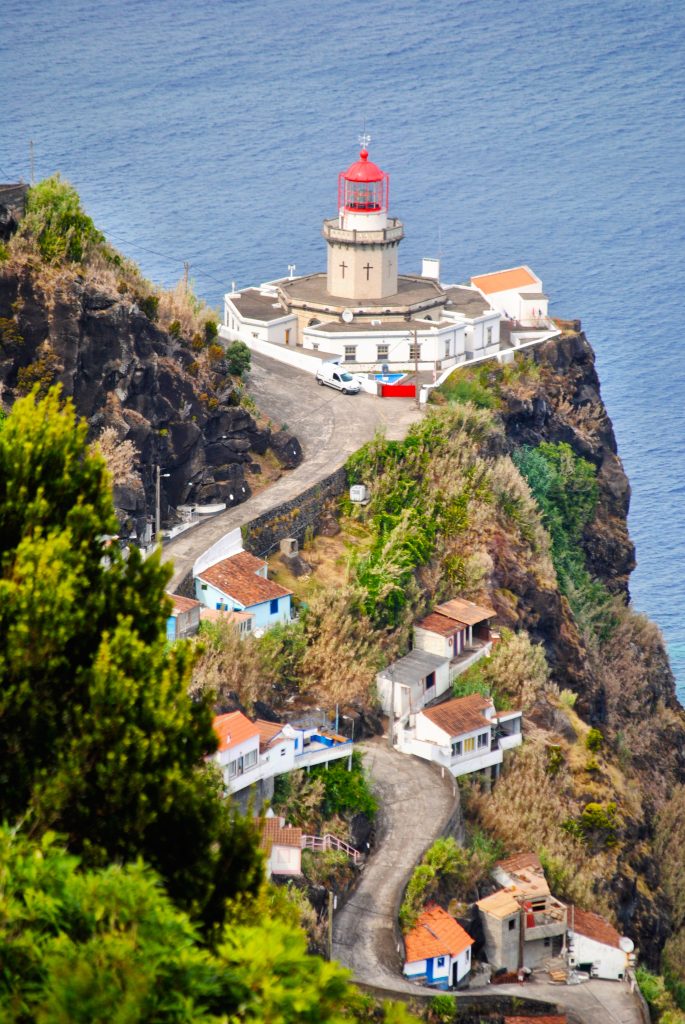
550	133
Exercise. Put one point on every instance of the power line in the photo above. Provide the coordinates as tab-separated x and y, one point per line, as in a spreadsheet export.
164	256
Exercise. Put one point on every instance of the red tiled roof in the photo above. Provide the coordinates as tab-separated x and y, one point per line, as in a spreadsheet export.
436	934
593	926
274	833
519	861
183	604
237	578
442	624
464	714
504	280
233	728
462	610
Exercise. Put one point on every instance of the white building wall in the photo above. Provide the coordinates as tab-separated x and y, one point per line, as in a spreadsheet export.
432	643
611	963
279	758
463	962
416	969
249	775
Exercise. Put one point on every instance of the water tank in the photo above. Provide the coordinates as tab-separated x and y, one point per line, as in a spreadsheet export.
359	493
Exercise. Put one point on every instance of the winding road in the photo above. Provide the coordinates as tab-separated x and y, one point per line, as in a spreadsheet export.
416	805
329	426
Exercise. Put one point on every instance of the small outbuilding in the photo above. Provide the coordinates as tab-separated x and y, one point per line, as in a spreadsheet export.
240	583
282	846
438	950
595	946
184	619
416	680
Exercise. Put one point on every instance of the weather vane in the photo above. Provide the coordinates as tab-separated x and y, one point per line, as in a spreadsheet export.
364	138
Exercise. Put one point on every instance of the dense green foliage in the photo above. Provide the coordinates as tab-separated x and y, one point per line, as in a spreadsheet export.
407	511
596	826
238	358
344	790
55	219
565	487
663	1008
107	945
98	738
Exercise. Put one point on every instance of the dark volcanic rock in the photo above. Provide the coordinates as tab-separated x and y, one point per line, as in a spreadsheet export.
122	370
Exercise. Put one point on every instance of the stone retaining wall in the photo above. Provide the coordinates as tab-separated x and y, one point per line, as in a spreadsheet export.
294	518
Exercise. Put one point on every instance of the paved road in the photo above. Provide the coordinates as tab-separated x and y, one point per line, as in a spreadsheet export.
329	425
416	805
595	1002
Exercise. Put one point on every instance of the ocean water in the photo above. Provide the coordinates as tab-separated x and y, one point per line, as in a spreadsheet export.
550	133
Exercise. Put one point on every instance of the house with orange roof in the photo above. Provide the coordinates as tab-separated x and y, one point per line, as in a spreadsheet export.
240	583
238	751
464	735
437	950
518	295
458	630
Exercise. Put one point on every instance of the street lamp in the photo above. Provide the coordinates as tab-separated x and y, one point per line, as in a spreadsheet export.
158	517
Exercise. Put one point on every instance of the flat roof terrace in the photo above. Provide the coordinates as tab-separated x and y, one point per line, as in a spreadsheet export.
412	292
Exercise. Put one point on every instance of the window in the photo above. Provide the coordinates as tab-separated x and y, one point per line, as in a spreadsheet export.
482	740
447	347
456	748
467	955
512	923
488	336
250	759
287	335
547	941
255	334
382	352
350	353
469	744
203	586
232	769
282	751
415	351
273	606
441	961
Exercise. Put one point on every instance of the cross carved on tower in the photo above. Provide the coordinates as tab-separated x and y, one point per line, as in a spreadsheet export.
343	267
368	268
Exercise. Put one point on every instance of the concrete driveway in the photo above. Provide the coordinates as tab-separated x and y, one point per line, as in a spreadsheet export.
594	1002
329	426
416	805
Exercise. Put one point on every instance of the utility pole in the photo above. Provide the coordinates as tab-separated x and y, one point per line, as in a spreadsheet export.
33	175
330	924
391	715
416	366
186	268
158	515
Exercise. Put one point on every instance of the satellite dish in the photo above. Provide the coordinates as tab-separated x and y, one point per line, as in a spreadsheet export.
348	316
626	944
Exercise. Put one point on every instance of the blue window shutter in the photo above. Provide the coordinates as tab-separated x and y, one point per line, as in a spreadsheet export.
273	607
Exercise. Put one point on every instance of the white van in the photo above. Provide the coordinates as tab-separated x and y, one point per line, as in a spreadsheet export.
336	377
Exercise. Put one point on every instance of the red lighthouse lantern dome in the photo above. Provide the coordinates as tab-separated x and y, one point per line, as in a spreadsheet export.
363	187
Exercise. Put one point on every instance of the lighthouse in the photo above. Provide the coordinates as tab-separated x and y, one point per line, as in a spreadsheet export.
363	240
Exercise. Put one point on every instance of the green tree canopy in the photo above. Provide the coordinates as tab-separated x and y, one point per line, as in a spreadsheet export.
54	216
107	945
98	738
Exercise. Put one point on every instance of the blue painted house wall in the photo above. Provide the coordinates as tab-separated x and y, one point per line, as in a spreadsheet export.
264	615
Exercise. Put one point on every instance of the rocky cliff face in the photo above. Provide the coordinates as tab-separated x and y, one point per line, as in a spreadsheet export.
625	686
123	371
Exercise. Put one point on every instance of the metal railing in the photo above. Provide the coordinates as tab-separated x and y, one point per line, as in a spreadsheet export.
330	842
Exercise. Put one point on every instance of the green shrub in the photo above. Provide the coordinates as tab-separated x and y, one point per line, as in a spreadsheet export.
594	740
238	358
55	220
149	305
460	389
442	1009
174	329
555	760
211	331
346	792
596	826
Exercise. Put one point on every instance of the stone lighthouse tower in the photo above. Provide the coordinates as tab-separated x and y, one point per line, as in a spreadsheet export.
362	240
